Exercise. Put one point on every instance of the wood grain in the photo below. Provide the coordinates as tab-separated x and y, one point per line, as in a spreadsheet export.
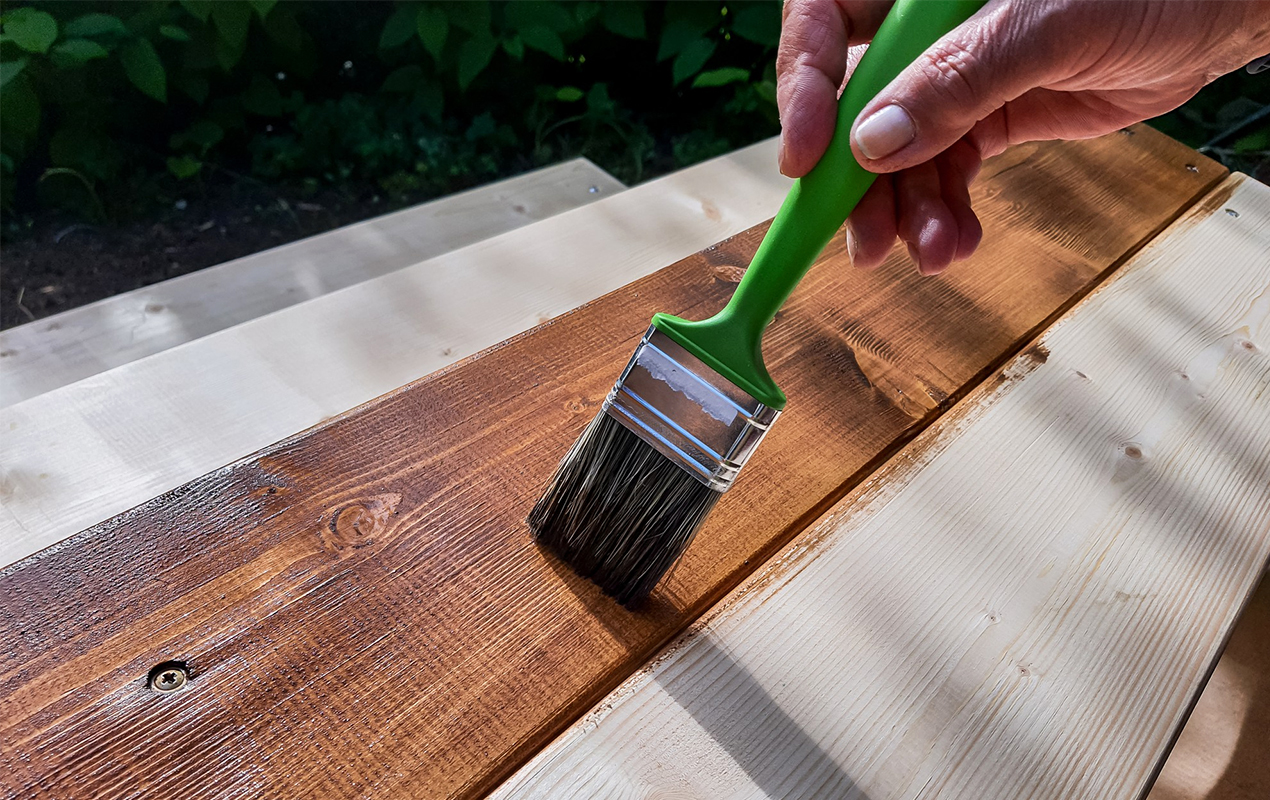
360	605
75	456
67	347
1025	602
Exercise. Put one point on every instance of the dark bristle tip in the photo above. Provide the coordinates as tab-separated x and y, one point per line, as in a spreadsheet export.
619	512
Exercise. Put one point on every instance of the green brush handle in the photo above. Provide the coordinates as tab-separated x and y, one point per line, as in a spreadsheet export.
731	341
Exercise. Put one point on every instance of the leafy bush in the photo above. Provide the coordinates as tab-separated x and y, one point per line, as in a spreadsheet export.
102	102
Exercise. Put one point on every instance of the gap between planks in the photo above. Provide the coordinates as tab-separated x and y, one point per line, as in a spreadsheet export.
1025	602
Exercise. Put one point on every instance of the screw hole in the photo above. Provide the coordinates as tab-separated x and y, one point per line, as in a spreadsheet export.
168	676
1232	213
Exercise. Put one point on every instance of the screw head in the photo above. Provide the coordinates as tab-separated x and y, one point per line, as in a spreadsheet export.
169	676
1192	168
1232	212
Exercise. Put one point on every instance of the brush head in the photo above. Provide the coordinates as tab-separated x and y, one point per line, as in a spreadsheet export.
619	511
630	495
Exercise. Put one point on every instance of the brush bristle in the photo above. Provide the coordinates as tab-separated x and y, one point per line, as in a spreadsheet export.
620	512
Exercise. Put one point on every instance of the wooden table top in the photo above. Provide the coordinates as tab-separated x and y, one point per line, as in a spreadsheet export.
359	608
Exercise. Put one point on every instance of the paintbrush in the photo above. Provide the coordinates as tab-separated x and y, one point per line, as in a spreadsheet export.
696	400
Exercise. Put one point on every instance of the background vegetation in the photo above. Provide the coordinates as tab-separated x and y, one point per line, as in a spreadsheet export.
108	104
115	116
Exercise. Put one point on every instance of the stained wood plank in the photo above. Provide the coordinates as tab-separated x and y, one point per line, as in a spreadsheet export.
360	605
1025	602
75	456
76	344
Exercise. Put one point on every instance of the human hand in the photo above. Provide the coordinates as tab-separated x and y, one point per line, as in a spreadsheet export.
1017	71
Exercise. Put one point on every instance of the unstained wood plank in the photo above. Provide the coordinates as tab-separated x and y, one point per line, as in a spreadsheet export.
360	606
1025	602
78	455
43	355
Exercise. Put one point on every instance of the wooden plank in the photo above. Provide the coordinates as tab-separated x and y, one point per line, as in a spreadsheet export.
73	457
76	344
1024	603
360	605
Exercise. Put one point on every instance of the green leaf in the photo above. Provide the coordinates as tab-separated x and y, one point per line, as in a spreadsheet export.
626	19
201	9
73	52
174	32
142	66
534	13
184	166
95	25
30	29
585	12
403	80
203	134
514	47
675	38
11	69
1253	142
472	16
232	18
430	100
693	58
759	22
227	54
481	127
19	113
398	29
569	94
721	77
766	90
262	7
542	38
262	97
283	29
194	85
474	57
433	27
598	102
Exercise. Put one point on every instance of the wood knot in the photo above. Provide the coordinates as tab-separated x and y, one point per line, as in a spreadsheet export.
359	523
727	273
579	405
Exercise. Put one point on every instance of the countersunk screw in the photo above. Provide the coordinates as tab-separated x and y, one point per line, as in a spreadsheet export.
169	676
1232	212
1192	168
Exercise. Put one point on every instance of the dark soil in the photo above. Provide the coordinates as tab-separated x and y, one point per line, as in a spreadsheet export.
61	262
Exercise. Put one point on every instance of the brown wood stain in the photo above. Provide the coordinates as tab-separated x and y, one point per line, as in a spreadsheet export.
361	607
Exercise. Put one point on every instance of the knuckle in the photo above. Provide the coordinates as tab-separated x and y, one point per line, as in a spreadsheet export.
949	71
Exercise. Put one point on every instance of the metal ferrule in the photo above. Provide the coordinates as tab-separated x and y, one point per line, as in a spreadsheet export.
688	412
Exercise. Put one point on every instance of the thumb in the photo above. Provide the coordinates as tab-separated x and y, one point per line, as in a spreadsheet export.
960	80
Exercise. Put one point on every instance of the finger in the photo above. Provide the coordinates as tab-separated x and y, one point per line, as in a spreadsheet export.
992	58
926	224
871	228
958	166
810	65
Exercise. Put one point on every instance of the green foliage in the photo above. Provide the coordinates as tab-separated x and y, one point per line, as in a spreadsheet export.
101	99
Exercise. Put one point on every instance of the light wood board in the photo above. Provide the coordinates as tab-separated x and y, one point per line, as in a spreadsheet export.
1025	602
76	344
76	455
361	606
